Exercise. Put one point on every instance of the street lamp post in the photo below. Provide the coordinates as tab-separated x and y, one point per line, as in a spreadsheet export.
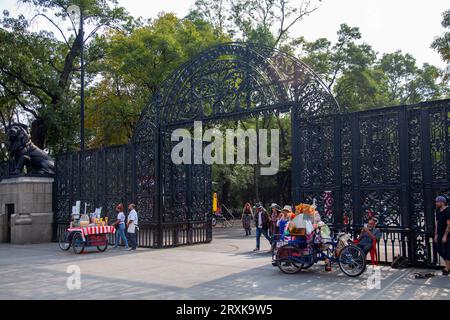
82	82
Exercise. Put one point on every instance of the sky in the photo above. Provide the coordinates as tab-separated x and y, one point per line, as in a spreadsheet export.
387	25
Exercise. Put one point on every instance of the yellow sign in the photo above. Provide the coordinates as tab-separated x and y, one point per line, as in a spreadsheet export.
215	202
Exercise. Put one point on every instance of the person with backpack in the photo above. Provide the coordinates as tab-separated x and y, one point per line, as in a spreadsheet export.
442	230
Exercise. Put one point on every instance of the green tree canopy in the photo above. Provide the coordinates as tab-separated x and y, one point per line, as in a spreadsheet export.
38	68
360	79
127	59
133	67
442	43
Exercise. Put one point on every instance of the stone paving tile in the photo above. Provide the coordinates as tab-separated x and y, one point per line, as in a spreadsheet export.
225	269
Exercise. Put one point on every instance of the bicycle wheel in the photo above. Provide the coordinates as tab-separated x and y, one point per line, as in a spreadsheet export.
284	261
78	243
64	241
308	265
352	261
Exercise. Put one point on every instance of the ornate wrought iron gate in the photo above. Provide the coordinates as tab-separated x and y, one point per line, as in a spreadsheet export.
125	174
229	81
390	163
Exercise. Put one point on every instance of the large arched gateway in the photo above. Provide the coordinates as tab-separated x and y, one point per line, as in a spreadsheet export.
350	163
234	80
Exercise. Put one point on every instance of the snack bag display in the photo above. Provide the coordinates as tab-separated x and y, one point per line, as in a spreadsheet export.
325	231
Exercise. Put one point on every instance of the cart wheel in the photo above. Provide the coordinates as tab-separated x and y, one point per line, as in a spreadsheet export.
64	241
78	243
103	247
285	264
213	221
352	261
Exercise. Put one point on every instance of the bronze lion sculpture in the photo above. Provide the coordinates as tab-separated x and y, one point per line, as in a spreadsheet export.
23	152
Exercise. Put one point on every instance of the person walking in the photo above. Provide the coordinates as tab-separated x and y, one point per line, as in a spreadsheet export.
247	217
442	230
274	215
262	222
119	224
132	225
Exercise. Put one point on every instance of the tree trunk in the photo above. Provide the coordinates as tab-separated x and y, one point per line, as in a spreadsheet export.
256	181
225	192
256	166
38	132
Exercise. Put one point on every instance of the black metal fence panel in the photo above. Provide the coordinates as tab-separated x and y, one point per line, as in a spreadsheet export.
127	174
388	163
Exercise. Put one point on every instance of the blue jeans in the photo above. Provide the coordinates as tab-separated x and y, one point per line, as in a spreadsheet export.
120	233
258	236
133	242
365	247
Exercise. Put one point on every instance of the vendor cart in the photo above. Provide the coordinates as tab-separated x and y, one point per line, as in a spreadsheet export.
81	237
301	252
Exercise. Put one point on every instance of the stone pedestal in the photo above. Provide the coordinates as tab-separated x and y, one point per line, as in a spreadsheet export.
26	214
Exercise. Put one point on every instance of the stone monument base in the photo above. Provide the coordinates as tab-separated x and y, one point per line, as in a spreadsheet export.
26	214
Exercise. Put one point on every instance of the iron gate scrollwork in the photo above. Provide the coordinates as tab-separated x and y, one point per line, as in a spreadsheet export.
228	81
387	163
106	177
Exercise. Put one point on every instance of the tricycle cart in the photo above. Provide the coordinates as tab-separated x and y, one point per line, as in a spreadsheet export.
302	252
80	238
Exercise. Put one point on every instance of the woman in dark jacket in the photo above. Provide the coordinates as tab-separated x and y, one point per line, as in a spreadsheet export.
247	217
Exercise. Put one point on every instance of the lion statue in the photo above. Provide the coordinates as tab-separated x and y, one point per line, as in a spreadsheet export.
23	152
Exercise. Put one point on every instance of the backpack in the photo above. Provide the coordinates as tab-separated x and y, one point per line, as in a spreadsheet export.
399	262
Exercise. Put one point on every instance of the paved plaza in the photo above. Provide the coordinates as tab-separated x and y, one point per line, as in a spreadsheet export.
225	269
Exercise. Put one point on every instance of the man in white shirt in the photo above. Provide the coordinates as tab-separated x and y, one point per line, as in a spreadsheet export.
132	223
